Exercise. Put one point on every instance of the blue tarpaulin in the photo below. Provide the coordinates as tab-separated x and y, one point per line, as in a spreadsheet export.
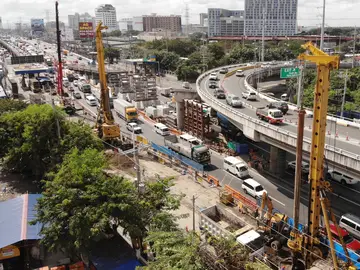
15	215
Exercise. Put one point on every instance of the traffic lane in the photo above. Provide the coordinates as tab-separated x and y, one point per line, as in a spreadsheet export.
235	85
351	191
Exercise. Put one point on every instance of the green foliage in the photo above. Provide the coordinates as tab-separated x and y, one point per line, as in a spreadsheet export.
10	105
77	203
167	60
257	266
29	142
115	33
217	50
175	250
111	53
186	72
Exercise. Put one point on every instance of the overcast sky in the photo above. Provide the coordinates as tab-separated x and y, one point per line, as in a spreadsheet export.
338	12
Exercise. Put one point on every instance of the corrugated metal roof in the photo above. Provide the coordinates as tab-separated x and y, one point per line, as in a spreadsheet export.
15	215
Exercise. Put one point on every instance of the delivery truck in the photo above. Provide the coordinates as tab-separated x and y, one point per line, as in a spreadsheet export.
189	147
125	110
273	116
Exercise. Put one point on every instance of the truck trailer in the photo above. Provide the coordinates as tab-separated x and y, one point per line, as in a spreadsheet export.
125	110
273	116
190	148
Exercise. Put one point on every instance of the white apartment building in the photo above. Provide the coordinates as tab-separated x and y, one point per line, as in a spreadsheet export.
223	22
278	17
107	15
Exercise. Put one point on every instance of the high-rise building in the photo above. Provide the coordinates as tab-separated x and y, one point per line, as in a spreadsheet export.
279	18
153	21
107	15
73	20
203	16
223	22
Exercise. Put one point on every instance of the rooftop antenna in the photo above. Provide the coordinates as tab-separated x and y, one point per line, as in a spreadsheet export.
187	19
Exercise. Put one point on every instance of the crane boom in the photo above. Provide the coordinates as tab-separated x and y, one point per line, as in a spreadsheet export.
107	128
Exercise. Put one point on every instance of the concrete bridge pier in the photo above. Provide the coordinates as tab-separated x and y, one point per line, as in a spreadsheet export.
179	96
277	161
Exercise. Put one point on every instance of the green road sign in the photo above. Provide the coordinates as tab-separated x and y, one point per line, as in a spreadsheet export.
288	73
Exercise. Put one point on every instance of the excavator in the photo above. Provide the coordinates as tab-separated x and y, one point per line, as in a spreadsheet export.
307	246
107	129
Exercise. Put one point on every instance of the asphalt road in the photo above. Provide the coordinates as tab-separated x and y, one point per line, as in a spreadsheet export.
280	190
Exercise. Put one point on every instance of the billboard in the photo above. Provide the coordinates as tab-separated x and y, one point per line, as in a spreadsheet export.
37	27
86	30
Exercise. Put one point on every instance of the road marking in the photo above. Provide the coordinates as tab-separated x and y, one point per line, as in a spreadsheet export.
272	198
345	199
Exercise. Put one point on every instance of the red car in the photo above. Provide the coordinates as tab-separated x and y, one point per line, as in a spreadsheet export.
350	242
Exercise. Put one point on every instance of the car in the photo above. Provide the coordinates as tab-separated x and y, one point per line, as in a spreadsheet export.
340	177
80	58
305	167
75	83
219	93
239	73
77	95
350	242
233	100
282	106
133	127
212	84
223	71
71	88
213	76
249	95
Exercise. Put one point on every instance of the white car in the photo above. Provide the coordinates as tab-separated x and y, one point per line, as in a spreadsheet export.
213	76
133	127
249	95
75	82
340	177
305	167
239	73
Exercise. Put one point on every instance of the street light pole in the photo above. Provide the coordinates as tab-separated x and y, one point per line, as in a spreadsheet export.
323	28
263	37
343	99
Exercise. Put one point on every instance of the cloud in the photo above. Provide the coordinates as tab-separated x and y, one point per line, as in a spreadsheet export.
338	12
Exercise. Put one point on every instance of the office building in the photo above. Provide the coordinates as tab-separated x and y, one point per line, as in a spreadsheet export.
128	24
73	20
107	15
171	23
278	17
223	22
138	24
203	17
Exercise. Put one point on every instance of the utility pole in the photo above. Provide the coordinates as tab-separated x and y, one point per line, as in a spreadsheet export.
344	95
58	36
300	92
354	47
193	201
298	168
323	28
137	163
263	37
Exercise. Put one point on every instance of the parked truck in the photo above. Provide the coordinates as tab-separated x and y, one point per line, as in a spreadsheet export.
273	116
189	148
125	110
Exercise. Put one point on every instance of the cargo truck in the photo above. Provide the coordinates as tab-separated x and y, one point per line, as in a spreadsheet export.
189	147
273	116
84	87
125	110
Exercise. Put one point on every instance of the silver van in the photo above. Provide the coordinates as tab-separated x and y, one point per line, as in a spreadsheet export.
351	223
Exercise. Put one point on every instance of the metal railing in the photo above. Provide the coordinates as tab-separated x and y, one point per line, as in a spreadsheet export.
213	101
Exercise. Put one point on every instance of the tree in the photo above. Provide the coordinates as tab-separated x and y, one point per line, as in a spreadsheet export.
11	105
187	72
167	60
29	142
76	205
175	250
217	50
111	53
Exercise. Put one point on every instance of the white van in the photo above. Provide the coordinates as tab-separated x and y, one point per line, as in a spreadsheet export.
253	188
91	100
66	82
351	223
187	138
161	129
236	166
